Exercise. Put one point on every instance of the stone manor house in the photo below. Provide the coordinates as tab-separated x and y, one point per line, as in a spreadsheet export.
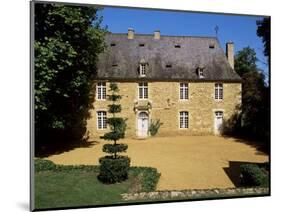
187	82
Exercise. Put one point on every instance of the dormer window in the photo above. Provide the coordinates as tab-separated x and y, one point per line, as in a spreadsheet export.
200	72
142	70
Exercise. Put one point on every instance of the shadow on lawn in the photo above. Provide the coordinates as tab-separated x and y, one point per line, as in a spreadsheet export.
233	171
55	148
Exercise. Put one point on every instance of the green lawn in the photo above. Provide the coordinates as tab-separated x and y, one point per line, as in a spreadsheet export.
72	186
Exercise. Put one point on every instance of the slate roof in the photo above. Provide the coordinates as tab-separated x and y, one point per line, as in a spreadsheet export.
121	62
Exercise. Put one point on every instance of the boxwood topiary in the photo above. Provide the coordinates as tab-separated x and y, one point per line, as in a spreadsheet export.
114	168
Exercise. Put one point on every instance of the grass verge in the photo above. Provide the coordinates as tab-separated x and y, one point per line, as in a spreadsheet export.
59	186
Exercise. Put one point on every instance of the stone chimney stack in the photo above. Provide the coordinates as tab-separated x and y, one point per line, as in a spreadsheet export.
230	53
131	33
157	34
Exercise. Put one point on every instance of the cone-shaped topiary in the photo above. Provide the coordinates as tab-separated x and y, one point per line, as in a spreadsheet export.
114	167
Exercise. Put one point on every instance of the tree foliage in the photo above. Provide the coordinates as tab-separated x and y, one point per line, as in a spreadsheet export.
68	40
263	31
255	115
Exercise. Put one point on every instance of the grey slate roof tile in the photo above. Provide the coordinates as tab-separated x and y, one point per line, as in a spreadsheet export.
194	52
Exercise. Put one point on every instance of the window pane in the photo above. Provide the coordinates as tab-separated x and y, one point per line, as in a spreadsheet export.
101	90
183	91
145	93
102	121
184	119
143	90
140	93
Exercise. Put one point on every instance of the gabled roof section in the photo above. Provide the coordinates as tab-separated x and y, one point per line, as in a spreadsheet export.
120	62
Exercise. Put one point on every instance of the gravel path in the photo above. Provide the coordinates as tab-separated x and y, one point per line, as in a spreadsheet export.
186	162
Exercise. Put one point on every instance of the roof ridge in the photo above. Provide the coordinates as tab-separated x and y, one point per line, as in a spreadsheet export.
143	34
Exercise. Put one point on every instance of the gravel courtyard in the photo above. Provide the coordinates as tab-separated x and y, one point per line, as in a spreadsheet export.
186	162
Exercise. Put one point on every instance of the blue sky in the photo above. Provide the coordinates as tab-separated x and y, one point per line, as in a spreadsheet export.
239	29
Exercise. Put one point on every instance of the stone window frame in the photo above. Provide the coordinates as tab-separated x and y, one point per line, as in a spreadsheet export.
184	119
185	89
101	91
101	120
218	91
143	90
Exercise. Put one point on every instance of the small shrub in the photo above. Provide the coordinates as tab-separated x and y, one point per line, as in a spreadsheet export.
113	169
147	176
253	175
154	127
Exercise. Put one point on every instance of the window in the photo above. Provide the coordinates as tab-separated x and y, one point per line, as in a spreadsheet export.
201	73
142	70
101	91
141	44
113	44
183	90
168	65
143	90
183	119
211	46
218	91
101	120
177	46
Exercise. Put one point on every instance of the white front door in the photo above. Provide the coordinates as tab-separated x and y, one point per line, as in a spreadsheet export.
218	122
142	124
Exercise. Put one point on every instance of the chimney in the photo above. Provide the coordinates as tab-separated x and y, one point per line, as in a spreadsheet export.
131	33
157	34
230	53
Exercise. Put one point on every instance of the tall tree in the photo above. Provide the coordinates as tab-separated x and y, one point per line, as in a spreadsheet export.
255	103
114	168
263	31
68	40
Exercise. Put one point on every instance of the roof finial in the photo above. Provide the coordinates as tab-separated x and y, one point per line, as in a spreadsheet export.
216	30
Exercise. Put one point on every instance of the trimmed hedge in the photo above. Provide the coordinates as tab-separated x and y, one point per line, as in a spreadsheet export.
113	170
46	165
253	175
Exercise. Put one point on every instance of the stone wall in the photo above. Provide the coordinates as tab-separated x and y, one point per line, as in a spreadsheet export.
196	194
166	105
